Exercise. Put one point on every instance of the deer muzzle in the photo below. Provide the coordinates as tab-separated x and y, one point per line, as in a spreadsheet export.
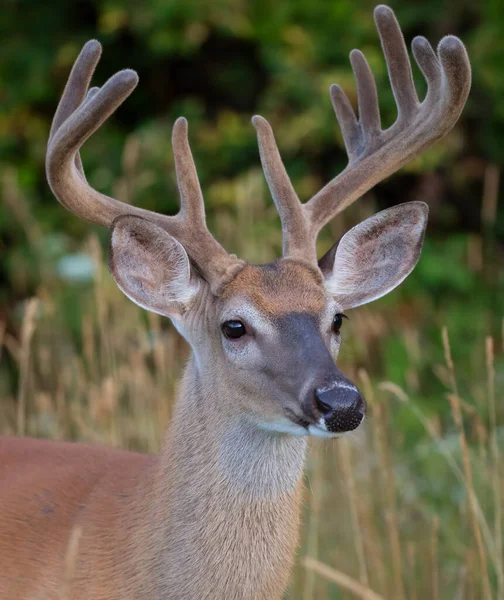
341	407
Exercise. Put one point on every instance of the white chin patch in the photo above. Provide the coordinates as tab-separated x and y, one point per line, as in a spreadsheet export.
287	426
284	426
320	430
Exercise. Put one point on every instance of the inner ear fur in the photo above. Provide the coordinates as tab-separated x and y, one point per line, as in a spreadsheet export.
375	256
150	266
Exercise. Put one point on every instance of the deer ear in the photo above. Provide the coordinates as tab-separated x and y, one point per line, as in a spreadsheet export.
375	256
150	266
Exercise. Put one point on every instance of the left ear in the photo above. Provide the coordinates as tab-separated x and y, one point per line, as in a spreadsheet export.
375	256
151	267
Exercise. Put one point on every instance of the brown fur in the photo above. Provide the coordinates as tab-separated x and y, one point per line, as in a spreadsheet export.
265	285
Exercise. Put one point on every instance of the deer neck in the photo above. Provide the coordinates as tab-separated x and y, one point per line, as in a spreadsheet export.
228	501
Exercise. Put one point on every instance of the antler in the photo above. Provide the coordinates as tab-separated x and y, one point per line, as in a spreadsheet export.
373	153
79	114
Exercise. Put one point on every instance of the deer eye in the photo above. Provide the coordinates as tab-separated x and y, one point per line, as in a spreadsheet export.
338	322
233	329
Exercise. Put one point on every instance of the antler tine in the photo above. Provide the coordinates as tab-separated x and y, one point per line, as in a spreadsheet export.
375	154
80	113
289	208
77	85
78	162
369	110
398	63
192	207
75	90
189	225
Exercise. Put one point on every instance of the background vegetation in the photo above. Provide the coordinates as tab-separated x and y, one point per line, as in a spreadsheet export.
411	506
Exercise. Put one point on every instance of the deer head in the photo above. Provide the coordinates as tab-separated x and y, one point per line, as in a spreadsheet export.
270	334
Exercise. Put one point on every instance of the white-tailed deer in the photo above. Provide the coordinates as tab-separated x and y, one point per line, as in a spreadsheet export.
215	515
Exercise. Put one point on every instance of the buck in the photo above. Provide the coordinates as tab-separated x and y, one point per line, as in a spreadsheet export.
216	513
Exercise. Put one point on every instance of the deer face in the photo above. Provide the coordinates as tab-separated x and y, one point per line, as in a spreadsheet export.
270	338
279	340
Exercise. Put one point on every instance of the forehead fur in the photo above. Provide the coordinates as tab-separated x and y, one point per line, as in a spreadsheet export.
280	287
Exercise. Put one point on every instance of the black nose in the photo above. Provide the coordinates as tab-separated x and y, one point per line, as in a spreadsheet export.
342	407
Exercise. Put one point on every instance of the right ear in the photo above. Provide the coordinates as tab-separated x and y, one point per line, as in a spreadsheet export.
151	267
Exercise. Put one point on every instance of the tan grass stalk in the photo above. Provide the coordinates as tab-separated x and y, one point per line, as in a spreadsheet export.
473	510
434	559
388	487
472	576
482	435
353	501
411	553
467	469
374	541
395	545
61	410
344	581
88	345
449	361
494	450
27	330
490	195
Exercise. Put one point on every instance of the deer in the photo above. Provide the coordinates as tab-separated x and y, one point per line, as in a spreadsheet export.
216	513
